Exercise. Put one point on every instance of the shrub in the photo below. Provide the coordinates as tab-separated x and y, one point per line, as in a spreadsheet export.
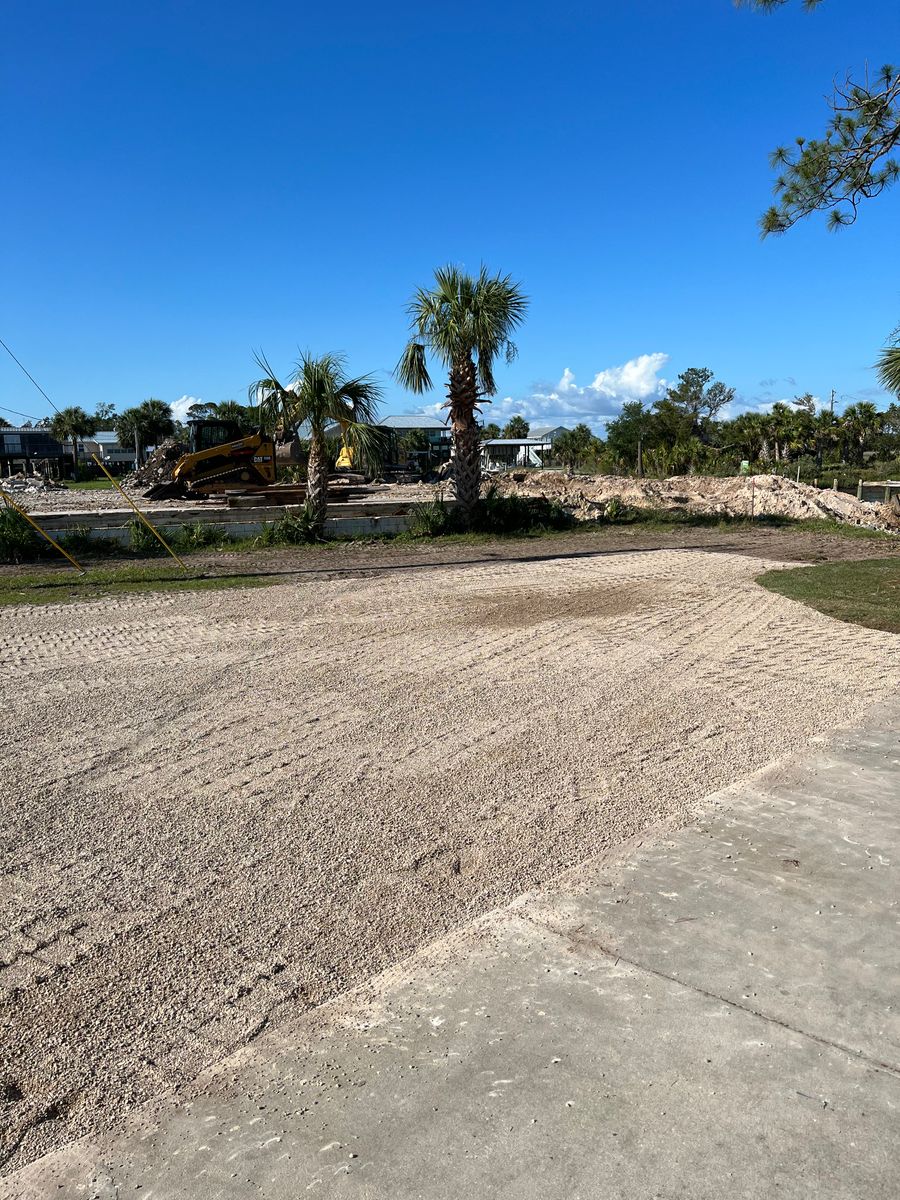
518	514
18	540
616	510
141	540
432	518
199	536
293	529
492	514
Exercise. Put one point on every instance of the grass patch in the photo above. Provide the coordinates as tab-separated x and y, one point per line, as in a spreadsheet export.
862	593
90	485
58	587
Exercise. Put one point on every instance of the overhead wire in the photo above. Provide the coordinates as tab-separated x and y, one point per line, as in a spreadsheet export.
16	413
25	371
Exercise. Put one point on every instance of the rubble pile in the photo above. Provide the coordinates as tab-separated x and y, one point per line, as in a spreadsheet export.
158	468
587	497
25	487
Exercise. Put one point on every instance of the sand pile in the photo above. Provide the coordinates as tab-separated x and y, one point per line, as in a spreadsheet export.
733	496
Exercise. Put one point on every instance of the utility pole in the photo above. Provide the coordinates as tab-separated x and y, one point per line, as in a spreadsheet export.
832	401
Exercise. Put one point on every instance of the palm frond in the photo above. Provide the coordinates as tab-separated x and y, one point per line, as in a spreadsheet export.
411	371
274	401
888	367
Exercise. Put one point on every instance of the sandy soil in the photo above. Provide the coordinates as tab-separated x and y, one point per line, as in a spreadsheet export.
220	809
586	496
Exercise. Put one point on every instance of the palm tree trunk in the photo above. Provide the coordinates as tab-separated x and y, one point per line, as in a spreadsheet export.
462	397
74	459
317	478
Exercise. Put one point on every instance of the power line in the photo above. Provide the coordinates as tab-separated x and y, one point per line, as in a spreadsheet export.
27	416
30	376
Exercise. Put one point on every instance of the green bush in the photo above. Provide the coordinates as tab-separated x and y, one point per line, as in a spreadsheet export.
18	540
616	510
431	518
518	514
141	541
293	529
199	536
492	514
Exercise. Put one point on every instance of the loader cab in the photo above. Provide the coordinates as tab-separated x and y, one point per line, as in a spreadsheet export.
206	434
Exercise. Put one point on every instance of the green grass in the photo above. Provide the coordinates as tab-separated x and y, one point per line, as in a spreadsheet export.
61	587
863	593
90	485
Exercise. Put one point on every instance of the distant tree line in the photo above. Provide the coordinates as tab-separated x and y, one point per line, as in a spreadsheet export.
682	432
685	431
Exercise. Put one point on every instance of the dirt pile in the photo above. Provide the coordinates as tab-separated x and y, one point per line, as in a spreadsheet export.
159	466
587	497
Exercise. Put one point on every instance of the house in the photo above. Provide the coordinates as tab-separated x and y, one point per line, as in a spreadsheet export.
24	449
435	434
498	454
105	444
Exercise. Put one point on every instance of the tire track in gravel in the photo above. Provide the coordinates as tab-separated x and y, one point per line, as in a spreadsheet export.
227	810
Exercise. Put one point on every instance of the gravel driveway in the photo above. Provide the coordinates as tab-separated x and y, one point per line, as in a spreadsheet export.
222	808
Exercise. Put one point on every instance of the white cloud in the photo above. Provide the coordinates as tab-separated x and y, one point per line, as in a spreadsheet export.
180	407
565	403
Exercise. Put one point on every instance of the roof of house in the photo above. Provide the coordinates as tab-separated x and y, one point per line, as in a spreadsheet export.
412	421
543	430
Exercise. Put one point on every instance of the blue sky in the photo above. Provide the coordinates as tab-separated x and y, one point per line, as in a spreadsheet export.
188	181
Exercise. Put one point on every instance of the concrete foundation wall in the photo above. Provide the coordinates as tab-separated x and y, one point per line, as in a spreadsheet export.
343	520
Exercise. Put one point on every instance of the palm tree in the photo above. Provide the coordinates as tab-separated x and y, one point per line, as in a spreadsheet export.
144	425
321	395
781	426
825	434
748	434
861	423
73	423
465	323
156	420
237	414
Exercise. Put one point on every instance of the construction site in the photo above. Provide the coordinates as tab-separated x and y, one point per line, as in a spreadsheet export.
359	504
279	800
450	602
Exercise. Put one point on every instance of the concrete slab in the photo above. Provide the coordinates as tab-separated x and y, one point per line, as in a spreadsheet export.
713	1015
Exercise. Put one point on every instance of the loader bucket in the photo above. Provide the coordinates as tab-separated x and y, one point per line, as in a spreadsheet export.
169	489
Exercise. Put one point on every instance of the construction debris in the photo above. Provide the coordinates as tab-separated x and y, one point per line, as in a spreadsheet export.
26	486
587	497
159	466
